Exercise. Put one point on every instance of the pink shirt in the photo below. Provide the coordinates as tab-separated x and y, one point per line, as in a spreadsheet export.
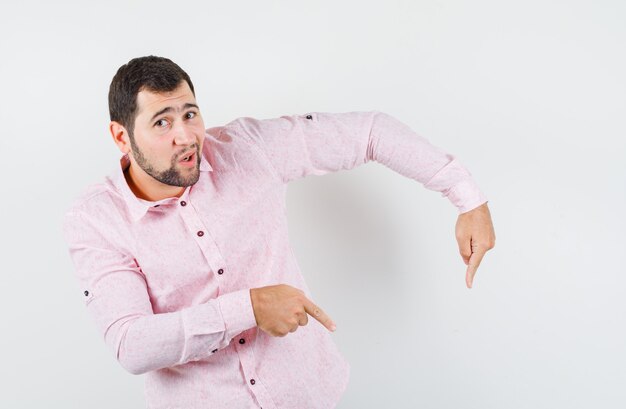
167	282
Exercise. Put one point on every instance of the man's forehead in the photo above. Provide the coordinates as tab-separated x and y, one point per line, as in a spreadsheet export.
151	101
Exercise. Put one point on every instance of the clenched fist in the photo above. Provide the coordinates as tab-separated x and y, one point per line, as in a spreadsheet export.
280	309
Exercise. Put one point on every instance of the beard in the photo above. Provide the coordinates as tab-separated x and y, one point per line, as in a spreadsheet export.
171	176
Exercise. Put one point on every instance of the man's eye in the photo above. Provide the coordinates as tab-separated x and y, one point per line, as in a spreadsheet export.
161	123
190	115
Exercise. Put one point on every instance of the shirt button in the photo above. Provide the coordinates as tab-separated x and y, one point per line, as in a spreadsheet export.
157	205
309	117
252	381
242	341
214	351
200	233
86	293
220	271
183	203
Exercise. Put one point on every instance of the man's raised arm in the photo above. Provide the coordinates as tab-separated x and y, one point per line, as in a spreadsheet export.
317	143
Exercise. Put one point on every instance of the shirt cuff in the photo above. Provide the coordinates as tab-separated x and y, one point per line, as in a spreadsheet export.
237	312
466	196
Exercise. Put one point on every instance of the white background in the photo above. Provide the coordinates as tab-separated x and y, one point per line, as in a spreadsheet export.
531	96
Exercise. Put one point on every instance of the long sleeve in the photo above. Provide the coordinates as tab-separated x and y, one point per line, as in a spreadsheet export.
317	143
117	298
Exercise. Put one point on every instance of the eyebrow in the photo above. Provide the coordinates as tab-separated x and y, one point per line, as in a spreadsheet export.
169	109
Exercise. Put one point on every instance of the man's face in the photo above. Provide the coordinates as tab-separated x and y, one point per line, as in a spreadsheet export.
168	135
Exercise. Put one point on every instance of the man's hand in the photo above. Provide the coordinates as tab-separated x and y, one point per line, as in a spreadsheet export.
475	235
280	309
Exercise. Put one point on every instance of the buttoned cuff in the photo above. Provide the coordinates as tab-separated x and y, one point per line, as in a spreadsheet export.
466	196
237	312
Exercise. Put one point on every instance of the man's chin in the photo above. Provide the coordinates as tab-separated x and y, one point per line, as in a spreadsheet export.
193	178
188	181
179	180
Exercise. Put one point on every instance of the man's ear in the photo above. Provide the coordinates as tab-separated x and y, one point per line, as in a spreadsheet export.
120	136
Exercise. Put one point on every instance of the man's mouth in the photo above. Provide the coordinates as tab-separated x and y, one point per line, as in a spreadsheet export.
188	157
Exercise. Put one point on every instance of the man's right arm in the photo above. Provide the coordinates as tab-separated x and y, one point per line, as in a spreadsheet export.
116	296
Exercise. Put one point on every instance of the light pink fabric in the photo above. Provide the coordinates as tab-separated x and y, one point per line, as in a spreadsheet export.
174	303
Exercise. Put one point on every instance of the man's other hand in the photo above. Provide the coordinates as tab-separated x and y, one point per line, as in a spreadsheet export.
475	236
280	309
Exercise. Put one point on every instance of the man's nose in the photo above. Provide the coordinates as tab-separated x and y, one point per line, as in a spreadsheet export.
183	135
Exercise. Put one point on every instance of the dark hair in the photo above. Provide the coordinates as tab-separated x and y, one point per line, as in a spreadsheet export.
156	74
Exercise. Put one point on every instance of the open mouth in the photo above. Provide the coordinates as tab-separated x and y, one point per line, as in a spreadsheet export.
189	157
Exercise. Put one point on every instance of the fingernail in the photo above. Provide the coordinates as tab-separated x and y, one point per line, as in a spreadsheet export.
333	327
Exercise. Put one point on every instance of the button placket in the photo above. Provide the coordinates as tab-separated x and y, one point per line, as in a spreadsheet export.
203	237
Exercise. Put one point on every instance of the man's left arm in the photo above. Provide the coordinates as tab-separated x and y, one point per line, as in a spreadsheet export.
317	143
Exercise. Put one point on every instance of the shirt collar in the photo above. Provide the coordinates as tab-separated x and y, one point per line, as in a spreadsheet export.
138	207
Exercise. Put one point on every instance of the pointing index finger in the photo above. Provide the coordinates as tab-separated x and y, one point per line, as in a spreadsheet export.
317	313
472	267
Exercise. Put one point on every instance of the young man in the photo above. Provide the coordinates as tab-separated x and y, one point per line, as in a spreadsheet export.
183	255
